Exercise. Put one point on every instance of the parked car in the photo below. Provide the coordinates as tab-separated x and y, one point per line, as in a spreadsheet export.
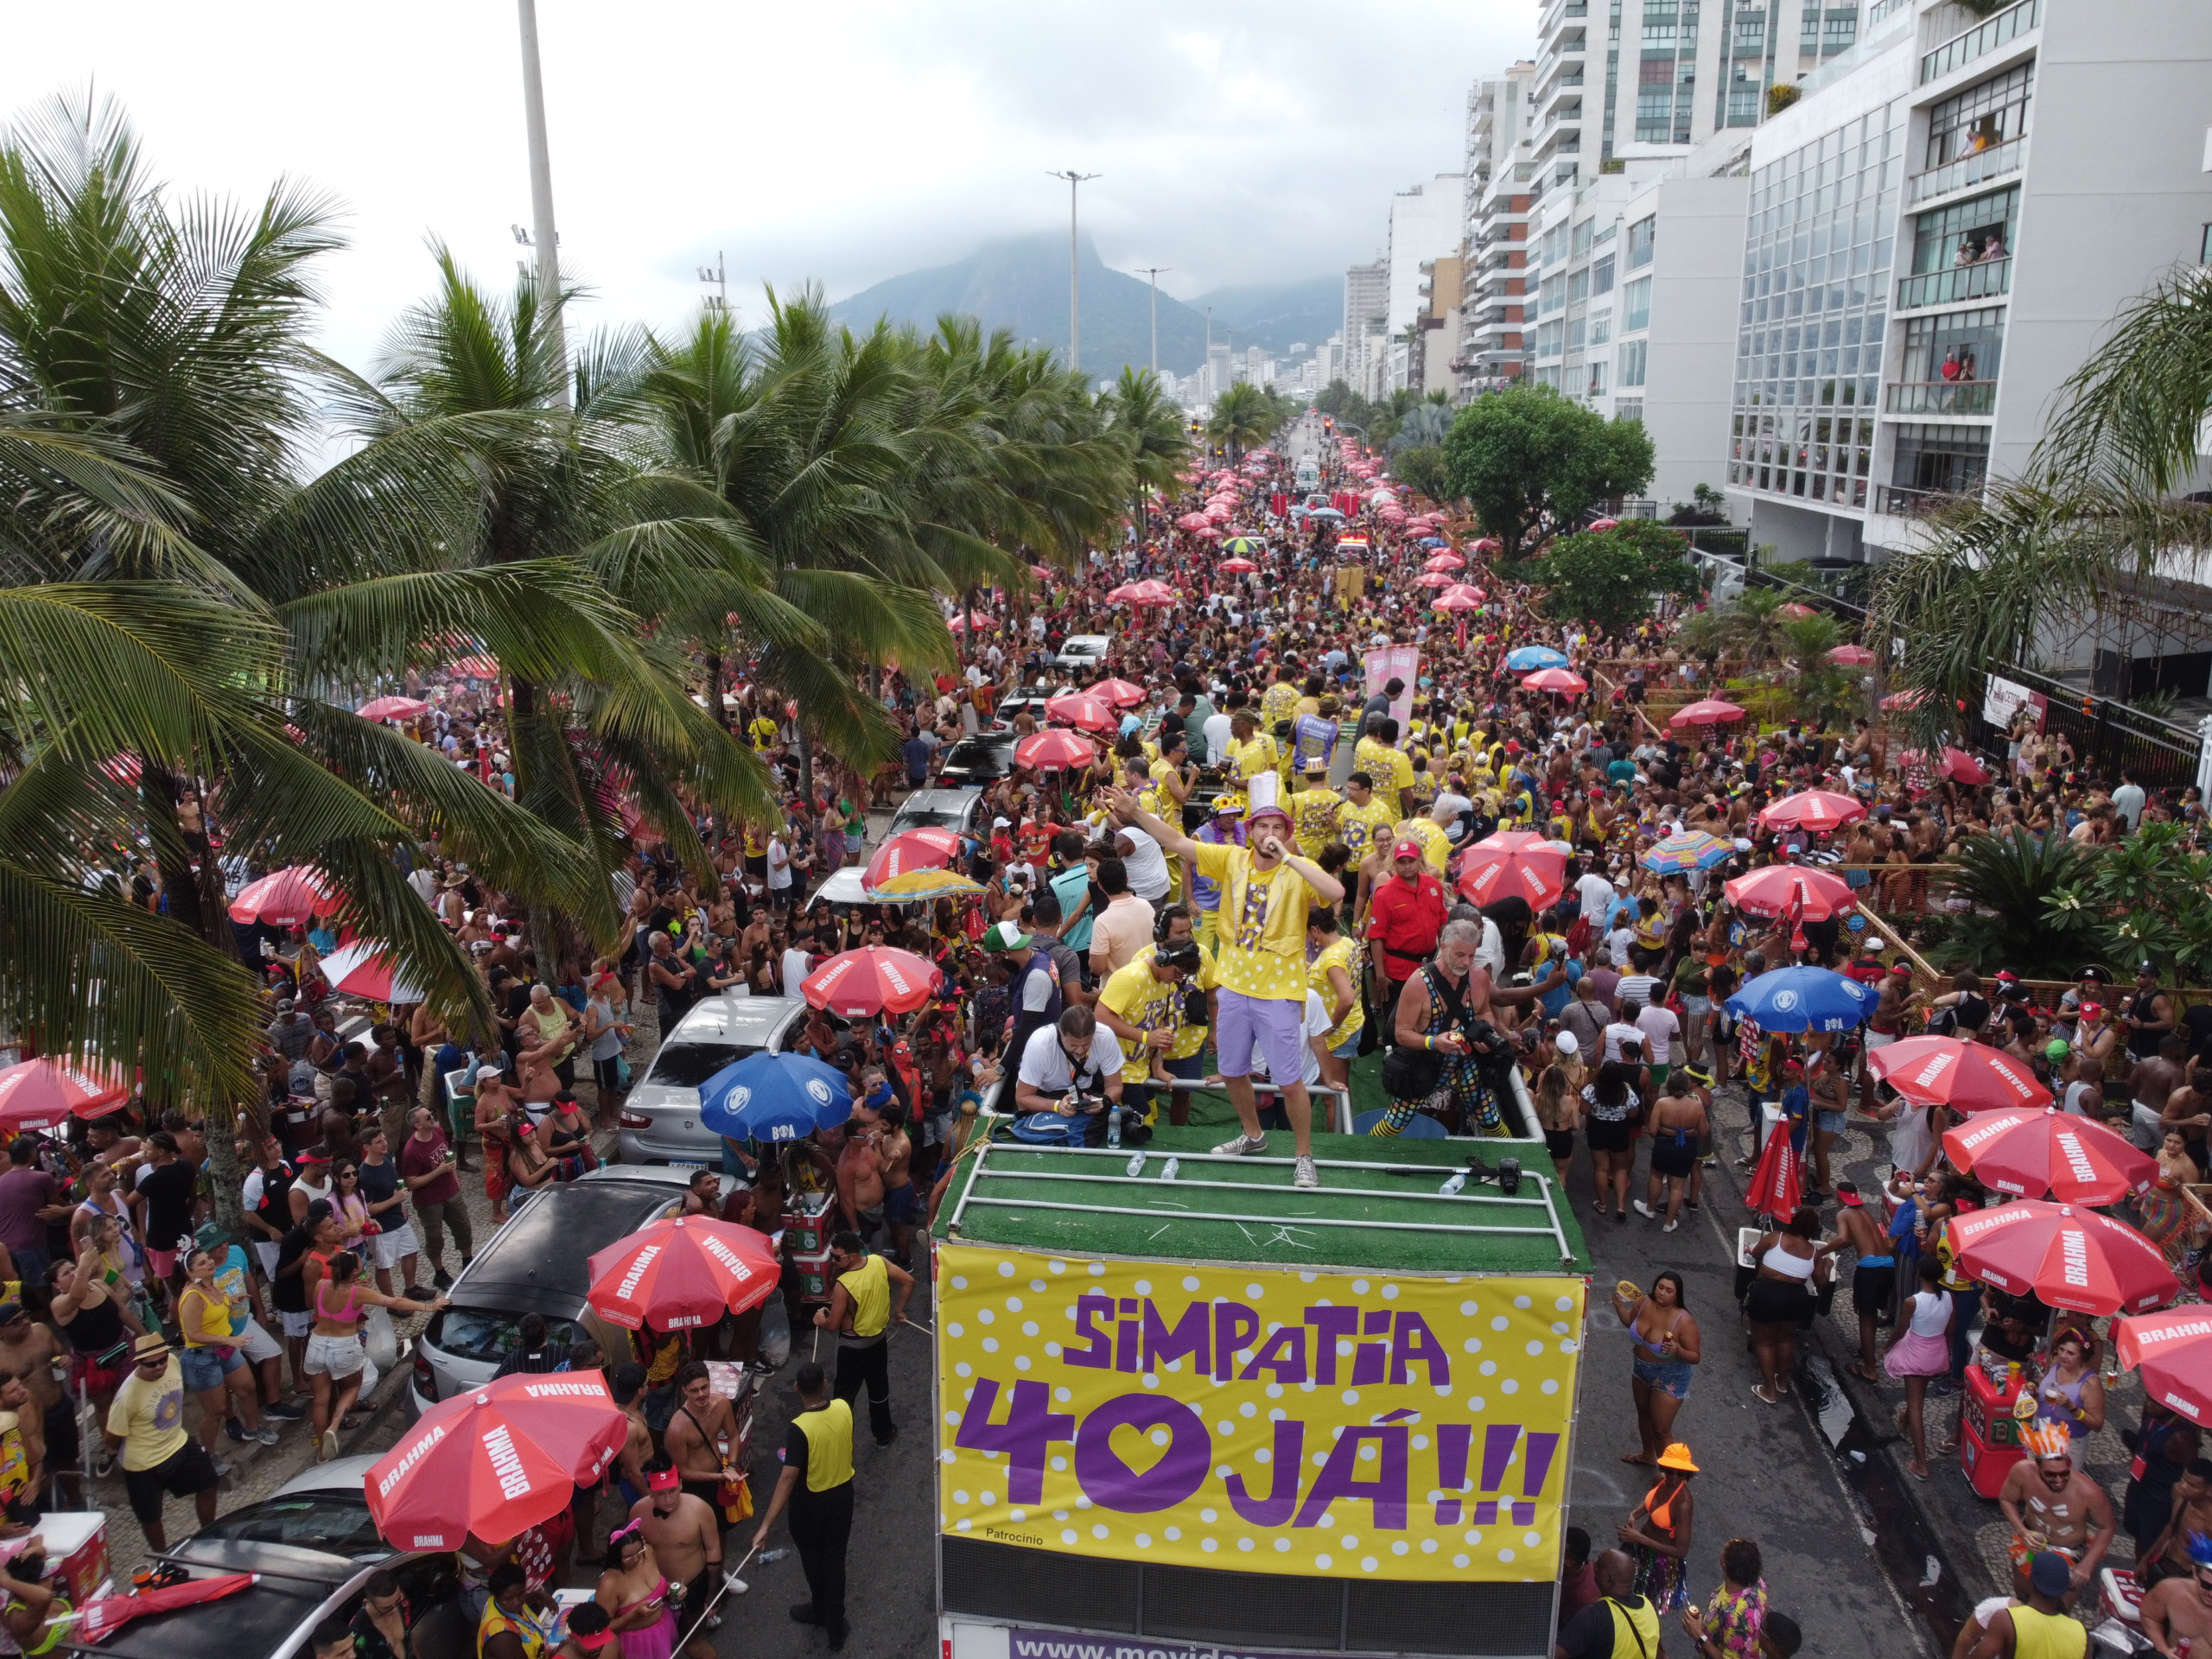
314	1548
536	1264
945	808
1085	650
973	761
659	1122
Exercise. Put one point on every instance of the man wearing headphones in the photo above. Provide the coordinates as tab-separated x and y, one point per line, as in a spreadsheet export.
1142	1003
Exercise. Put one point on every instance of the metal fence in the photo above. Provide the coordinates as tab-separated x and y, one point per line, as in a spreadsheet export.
2104	729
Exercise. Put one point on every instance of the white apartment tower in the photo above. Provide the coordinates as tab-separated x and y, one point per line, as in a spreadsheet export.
1426	224
1938	234
1623	79
1367	309
1500	115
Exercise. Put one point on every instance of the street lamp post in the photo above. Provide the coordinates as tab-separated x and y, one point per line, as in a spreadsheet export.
1074	308
1152	271
545	239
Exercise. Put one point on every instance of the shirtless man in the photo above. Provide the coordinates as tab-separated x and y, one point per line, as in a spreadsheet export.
28	1348
1874	1280
2167	1555
860	1165
686	1536
2176	1611
702	1437
902	1206
2152	1084
2050	1504
628	1389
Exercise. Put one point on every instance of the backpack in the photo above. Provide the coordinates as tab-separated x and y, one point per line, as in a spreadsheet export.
1048	1129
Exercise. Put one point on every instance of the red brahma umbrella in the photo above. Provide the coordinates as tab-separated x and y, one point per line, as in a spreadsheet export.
1791	890
2050	1153
1080	709
682	1273
929	847
2067	1256
1816	809
1514	863
1054	750
1709	711
288	898
2174	1352
1778	1184
1964	1076
45	1093
876	979
1122	694
1559	680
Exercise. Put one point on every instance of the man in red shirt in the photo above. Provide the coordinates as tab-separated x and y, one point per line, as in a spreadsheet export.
1403	919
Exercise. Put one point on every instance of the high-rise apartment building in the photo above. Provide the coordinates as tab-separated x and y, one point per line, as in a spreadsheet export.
1367	311
1493	246
1938	233
1623	79
1426	223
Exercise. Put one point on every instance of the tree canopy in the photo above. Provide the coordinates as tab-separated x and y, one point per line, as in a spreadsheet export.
1531	462
1612	577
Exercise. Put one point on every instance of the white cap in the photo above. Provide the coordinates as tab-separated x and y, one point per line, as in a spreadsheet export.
484	1072
1001	823
1567	1043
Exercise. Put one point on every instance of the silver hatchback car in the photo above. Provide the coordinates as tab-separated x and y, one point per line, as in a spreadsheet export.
659	1123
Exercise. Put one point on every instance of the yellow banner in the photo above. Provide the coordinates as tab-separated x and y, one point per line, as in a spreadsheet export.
1256	1419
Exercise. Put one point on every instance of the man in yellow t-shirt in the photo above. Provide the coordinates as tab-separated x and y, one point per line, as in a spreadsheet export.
1253	750
1363	821
762	730
1266	888
1435	845
1379	756
1335	973
1280	701
1313	810
146	1424
1142	1003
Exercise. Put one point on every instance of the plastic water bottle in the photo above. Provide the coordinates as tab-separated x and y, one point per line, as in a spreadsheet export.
1113	1126
1136	1163
1451	1188
768	1555
1168	1174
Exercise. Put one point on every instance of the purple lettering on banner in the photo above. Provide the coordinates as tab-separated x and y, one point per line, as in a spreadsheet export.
1288	1458
1179	1474
1497	1452
1452	1441
1030	1428
1329	1325
1369	1361
1097	1354
1188	1338
1125	1338
1415	1344
1387	1491
1283	1354
1376	1323
1234	1327
1536	1463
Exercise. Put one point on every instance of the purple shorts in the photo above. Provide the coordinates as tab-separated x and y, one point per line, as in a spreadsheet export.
1271	1028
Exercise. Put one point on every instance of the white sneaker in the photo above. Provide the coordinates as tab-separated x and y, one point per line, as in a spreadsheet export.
1669	1227
1242	1147
224	1467
1305	1174
1642	1209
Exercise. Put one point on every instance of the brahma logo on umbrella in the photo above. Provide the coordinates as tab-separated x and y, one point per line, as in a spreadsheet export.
409	1459
628	1288
2077	1155
506	1462
1937	1066
897	980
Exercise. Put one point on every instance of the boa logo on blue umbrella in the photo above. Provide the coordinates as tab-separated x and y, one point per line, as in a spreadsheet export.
774	1097
1803	999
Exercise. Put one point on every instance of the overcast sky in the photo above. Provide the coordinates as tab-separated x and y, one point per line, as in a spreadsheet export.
839	142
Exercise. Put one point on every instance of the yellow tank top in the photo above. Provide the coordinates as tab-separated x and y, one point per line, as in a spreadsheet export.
1636	1630
2046	1636
828	1444
498	1622
869	1287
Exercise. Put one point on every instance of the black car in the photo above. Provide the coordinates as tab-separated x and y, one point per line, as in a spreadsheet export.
982	758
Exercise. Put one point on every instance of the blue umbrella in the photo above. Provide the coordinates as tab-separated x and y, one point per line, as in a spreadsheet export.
1434	541
1325	513
774	1097
1529	658
1803	999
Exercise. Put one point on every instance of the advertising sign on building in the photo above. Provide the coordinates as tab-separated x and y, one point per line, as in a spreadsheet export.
1333	1424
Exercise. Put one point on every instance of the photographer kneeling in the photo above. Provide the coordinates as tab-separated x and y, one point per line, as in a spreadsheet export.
1070	1071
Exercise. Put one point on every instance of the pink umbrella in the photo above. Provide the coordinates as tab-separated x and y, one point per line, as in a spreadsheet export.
1851	657
1090	713
1791	890
391	708
1444	559
1911	697
1711	711
961	624
1963	767
1194	521
1605	524
1489	545
1794	609
1122	694
1220	513
1236	567
43	1093
1463	589
1042	572
290	898
477	668
1210	533
2068	1257
1154	593
1817	810
1436	579
1054	750
1454	600
1514	863
365	970
1557	680
1122	594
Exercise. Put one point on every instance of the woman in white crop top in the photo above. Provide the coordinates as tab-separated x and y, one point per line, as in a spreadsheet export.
1923	1352
1780	1295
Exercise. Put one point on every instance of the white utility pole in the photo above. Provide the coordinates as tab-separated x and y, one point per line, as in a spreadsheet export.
1075	307
718	274
545	238
1152	271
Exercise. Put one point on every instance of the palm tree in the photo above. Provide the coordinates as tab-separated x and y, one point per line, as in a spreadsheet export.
1149	425
571	491
1242	416
186	597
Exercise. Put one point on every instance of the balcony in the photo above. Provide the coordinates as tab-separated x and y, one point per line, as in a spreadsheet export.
1978	169
1898	502
1962	49
1977	282
1941	398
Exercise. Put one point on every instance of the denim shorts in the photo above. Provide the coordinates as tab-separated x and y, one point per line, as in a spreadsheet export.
1667	1376
1349	1049
1829	1123
206	1368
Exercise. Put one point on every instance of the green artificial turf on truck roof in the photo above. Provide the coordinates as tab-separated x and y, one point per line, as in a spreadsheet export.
1184	1223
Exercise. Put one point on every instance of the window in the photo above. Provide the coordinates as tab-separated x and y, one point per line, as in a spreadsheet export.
1980	117
1966	233
1750	33
1960	348
1578	286
1940	459
1549	335
1551	293
1582	241
1636	309
1838	30
1632	355
1601	328
1597	386
1601	276
1628	409
1640	236
1575	328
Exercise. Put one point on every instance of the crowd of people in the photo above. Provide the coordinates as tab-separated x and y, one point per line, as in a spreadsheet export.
1262	876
